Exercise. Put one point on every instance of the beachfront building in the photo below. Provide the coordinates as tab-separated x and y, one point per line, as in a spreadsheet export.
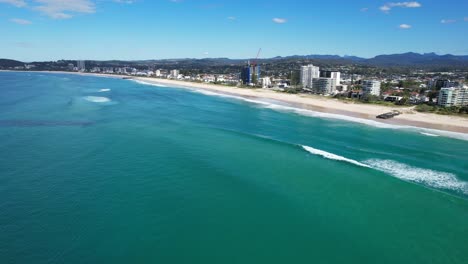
174	74
371	87
453	96
266	82
333	75
442	83
250	74
324	85
81	65
308	73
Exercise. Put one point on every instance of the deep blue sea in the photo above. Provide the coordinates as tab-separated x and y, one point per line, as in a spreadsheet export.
104	170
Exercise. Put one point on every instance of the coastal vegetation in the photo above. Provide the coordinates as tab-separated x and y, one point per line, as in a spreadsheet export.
454	110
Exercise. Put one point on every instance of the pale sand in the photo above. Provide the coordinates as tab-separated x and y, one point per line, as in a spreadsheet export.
320	104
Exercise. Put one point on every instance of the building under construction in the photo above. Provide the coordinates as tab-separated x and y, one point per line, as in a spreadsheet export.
251	73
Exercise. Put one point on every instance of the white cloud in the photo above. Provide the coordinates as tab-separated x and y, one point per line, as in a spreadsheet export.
17	3
448	21
20	21
63	9
385	8
388	6
232	18
279	20
364	9
405	26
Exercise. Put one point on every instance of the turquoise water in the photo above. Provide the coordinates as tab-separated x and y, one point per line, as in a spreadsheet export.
100	170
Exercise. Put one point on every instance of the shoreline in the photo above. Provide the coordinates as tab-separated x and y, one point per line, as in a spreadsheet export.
315	103
328	106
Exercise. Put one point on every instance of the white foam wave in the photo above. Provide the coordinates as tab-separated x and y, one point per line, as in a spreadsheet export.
149	83
97	99
104	90
332	156
431	178
258	102
429	134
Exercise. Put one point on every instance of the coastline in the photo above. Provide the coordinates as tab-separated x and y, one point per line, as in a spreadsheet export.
315	103
329	105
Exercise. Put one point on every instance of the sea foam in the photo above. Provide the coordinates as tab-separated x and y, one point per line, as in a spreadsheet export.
432	178
427	177
332	156
429	134
149	83
97	99
104	90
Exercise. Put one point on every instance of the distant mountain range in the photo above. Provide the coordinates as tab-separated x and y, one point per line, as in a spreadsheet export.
409	59
404	59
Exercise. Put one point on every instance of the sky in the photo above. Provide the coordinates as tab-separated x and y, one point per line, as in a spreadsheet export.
39	30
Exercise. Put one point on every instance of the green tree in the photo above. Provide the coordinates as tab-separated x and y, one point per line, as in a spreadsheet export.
254	78
294	77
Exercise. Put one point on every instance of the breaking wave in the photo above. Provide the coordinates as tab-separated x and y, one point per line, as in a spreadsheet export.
435	179
429	134
427	177
149	83
97	99
104	90
332	156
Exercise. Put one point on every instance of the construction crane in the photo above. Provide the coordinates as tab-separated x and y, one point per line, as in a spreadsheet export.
254	63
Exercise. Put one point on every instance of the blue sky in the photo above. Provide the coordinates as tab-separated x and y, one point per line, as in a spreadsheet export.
158	29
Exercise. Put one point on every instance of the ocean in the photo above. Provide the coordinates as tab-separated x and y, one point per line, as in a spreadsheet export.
104	170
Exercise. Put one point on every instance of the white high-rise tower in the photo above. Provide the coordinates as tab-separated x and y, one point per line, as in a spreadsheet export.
308	73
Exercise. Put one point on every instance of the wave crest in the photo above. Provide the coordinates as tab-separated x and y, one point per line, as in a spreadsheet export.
427	177
149	83
332	156
436	179
97	99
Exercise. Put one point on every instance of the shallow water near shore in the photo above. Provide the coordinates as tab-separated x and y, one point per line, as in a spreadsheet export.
109	170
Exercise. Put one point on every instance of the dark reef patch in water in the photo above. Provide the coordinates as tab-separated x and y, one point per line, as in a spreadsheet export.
42	123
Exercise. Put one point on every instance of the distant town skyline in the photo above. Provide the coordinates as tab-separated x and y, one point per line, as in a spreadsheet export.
40	30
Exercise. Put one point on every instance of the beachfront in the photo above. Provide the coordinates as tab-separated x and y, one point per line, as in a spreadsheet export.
330	105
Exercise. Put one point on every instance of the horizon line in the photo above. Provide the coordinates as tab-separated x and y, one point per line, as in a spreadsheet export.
194	58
